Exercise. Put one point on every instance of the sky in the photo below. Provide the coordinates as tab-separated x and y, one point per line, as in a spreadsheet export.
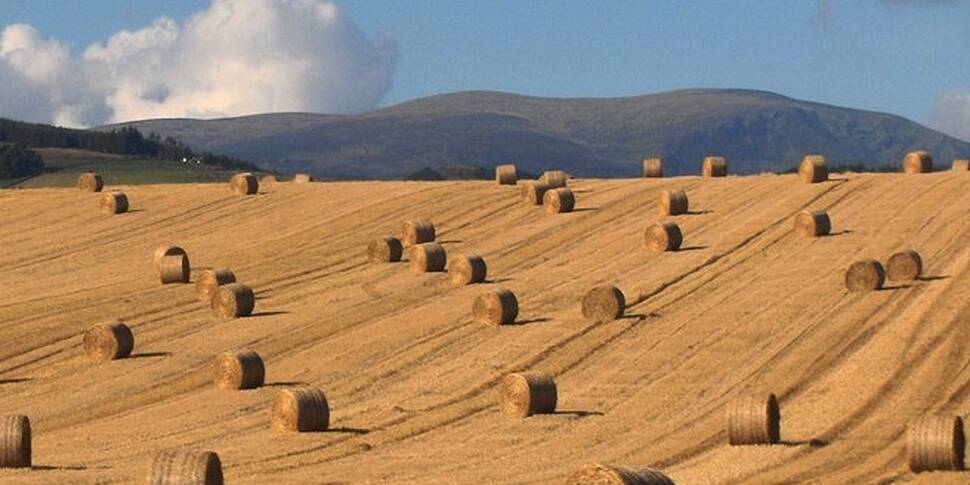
88	62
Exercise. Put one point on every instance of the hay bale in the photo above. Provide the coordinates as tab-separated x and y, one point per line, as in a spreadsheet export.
496	307
653	167
961	165
302	178
598	474
865	275
301	409
385	250
714	167
466	270
239	370
167	250
427	258
90	182
812	223
176	467
244	184
417	231
233	301
935	443
558	201
15	441
919	161
813	169
603	303
533	192
663	236
108	341
113	203
506	175
673	202
554	178
268	180
753	420
527	393
905	265
174	269
211	279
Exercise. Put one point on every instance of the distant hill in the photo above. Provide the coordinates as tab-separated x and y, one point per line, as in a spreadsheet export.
756	131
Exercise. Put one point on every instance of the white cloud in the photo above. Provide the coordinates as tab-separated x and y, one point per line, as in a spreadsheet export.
951	113
235	57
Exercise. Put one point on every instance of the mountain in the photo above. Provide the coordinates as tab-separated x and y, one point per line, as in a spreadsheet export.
604	137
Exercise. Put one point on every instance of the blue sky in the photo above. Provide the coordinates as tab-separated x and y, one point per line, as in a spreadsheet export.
901	56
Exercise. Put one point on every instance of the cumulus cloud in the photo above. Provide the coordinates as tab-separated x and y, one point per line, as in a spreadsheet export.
951	113
235	57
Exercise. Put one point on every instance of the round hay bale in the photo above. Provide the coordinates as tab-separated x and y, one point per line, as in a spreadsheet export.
527	393
653	167
417	231
90	182
714	167
753	420
244	184
466	270
597	474
558	201
603	303
554	178
427	258
919	161
301	409
302	178
813	169
905	265
506	175
15	441
812	223
167	250
239	370
663	236
497	307
176	467
211	279
865	275
113	203
961	165
935	443
108	341
385	250
673	202
268	180
233	300
174	269
533	192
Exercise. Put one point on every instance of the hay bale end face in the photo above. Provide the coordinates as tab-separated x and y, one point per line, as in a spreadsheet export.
302	178
813	223
865	275
506	175
186	467
919	161
244	184
300	410
166	250
385	250
597	474
603	303
961	165
233	300
554	178
653	167
753	420
904	266
935	443
427	258
714	167
533	192
497	307
108	341
527	393
673	203
663	236
113	203
467	270
174	269
417	231
211	279
558	201
90	182
15	442
239	370
813	169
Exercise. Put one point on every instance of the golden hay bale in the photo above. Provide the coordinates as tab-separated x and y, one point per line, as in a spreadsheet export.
865	275
417	231
673	202
603	303
496	307
961	165
812	223
186	468
174	269
302	178
15	441
813	169
90	182
919	161
527	393
935	443
301	409
108	341
506	174
653	167
239	370
558	201
554	178
167	250
211	279
427	258
268	180
905	265
113	203
244	184
663	236
385	250
466	270
233	301
533	192
714	167
753	420
613	475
